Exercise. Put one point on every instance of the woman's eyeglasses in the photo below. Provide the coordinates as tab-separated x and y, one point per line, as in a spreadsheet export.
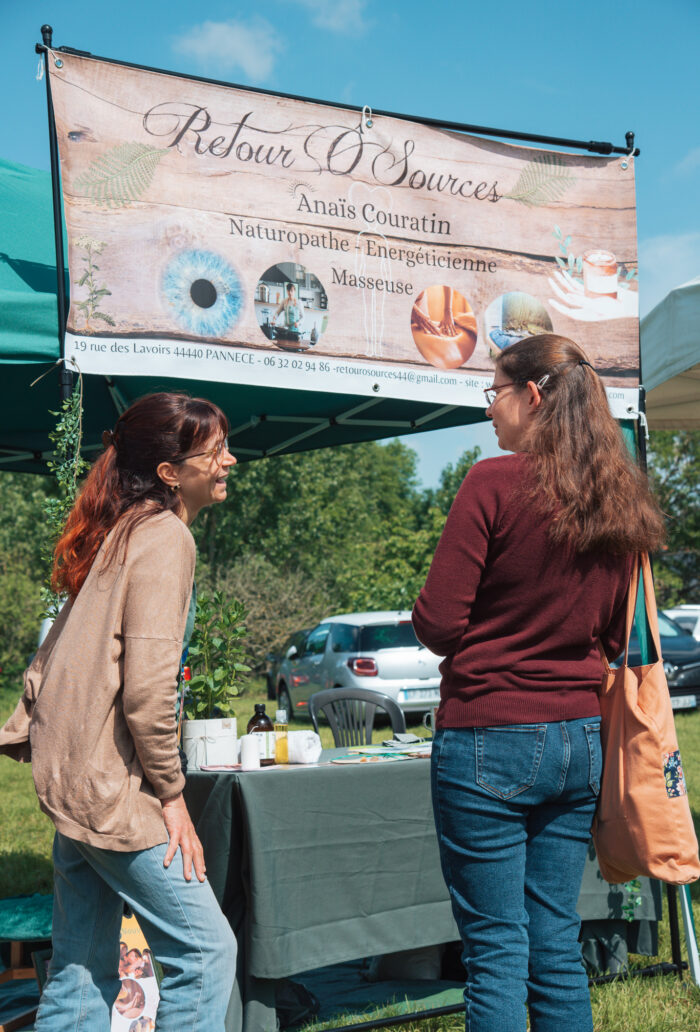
217	452
492	392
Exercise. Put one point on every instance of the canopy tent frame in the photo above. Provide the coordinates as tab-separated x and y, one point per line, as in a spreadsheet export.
313	425
353	413
65	376
593	146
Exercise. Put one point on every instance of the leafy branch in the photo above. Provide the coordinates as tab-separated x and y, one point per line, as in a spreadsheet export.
217	657
626	276
541	181
633	899
571	264
120	175
90	307
67	466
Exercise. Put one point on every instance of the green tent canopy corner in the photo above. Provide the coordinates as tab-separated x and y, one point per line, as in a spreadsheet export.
264	420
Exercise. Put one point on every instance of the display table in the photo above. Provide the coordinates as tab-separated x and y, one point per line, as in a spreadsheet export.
318	865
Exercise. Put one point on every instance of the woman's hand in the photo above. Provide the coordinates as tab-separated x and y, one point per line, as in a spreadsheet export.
181	832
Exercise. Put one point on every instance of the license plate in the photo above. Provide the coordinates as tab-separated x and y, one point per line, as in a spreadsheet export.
421	695
684	701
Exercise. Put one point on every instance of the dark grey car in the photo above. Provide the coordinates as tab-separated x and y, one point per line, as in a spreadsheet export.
681	654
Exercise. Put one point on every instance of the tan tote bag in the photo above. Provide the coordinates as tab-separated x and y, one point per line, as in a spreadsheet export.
643	824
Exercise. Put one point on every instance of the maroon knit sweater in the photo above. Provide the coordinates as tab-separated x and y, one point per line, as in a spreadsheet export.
516	616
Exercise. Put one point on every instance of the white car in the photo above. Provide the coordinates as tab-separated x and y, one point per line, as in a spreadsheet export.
361	650
688	616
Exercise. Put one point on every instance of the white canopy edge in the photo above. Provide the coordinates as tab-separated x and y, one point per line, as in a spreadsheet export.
670	359
675	405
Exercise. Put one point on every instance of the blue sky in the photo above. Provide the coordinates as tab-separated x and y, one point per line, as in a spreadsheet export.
586	70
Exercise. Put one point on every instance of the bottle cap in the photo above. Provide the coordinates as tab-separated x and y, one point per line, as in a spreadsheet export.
281	716
259	707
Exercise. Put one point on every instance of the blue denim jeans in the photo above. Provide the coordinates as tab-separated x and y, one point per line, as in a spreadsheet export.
182	922
513	810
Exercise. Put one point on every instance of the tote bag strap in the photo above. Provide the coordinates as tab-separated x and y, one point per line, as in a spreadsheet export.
650	603
632	591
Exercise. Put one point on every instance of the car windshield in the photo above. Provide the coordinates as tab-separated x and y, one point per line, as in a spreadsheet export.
669	628
375	637
686	622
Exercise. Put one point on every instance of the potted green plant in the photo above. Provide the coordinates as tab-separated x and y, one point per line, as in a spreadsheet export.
217	660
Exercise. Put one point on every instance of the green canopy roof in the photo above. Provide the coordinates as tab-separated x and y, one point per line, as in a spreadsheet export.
264	420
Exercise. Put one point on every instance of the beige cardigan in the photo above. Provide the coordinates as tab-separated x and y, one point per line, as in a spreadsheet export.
100	695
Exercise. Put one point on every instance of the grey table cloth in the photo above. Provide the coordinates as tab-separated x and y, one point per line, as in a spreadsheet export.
318	865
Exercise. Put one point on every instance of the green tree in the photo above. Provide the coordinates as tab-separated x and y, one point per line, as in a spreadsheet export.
22	499
302	511
451	479
674	471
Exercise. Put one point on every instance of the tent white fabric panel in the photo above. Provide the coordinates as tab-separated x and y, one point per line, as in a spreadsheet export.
670	359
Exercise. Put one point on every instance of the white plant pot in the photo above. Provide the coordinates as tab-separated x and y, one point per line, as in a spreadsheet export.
209	743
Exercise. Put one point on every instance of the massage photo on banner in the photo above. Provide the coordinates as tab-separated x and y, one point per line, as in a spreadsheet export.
444	327
291	306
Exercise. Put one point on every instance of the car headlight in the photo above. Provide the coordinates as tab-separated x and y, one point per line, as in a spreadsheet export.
687	675
671	671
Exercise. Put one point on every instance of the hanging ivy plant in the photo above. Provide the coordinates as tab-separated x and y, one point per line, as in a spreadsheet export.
67	467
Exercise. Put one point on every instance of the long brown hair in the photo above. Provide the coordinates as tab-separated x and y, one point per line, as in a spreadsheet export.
157	428
584	475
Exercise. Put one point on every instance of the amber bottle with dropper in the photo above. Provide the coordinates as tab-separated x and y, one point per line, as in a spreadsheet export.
260	722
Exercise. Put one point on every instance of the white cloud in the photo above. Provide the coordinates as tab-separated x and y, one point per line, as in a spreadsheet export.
347	94
688	164
345	16
664	263
224	47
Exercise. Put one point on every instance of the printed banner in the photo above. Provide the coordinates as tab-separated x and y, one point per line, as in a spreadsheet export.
135	1008
220	234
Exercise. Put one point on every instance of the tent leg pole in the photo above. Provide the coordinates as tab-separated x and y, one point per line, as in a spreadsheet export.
671	896
641	429
691	941
674	929
65	375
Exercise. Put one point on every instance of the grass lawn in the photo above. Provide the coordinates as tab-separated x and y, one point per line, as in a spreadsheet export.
643	1005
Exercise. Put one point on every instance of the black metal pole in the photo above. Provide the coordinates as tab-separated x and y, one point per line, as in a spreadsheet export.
595	146
65	376
642	428
672	899
674	927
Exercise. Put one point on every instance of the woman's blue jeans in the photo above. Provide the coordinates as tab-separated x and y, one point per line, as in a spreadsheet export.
182	922
513	810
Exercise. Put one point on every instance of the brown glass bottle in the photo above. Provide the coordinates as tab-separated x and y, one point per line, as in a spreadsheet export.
260	722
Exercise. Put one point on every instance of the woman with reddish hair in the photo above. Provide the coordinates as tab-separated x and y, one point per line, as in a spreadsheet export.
97	720
530	575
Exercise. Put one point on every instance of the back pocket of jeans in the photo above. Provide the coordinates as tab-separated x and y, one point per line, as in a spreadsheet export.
508	758
595	755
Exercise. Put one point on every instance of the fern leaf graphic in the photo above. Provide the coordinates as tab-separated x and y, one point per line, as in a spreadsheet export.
542	180
120	175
